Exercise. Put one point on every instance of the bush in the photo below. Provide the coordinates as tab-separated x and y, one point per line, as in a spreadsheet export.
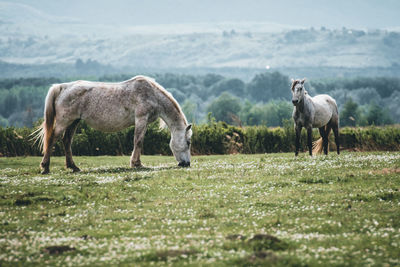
211	138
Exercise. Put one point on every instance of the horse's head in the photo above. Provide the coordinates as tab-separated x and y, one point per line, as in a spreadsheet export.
298	91
180	145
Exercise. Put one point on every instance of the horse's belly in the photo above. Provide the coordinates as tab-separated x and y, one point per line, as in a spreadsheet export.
319	123
110	121
322	118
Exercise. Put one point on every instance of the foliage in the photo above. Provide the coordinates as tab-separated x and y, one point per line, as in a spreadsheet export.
190	109
266	86
272	113
262	101
212	138
234	86
377	115
350	114
225	107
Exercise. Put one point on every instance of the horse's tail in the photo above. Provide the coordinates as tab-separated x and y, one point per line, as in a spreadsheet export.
318	145
43	134
162	125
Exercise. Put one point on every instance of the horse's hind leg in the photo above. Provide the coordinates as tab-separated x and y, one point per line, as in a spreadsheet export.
324	137
45	164
67	140
140	131
309	140
335	128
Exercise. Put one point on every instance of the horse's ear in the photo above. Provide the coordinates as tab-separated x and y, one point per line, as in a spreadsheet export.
303	81
188	127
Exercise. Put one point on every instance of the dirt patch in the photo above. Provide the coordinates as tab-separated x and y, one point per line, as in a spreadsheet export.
390	196
22	202
261	242
56	250
261	237
44	199
206	214
387	171
263	255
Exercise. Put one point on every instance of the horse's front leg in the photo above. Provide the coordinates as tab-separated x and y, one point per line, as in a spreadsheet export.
297	140
309	140
140	131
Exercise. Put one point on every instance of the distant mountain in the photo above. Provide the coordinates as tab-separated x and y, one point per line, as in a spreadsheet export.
19	19
31	36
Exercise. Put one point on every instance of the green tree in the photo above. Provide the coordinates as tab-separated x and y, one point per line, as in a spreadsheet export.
210	79
267	86
10	103
277	112
3	122
376	115
177	94
256	115
233	86
189	108
225	107
350	113
272	114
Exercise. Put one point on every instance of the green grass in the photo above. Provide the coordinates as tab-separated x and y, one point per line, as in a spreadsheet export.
240	210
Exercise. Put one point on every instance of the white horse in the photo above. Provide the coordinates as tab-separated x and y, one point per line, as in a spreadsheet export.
314	112
111	107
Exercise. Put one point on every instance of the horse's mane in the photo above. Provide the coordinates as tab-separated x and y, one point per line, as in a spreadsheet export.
294	83
163	91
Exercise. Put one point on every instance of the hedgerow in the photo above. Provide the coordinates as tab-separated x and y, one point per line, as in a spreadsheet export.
211	138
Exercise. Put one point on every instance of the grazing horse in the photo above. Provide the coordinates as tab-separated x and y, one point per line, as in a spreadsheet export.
111	107
314	112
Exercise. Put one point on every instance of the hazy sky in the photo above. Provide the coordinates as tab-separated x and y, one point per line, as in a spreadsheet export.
332	14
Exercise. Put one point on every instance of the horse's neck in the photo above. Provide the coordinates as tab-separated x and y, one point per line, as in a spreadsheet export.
304	106
173	118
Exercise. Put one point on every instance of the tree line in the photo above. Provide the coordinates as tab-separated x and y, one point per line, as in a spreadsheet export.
264	100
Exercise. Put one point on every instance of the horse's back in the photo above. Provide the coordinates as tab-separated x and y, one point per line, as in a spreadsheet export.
104	106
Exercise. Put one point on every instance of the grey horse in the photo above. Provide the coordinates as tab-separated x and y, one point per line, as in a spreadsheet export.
111	107
314	112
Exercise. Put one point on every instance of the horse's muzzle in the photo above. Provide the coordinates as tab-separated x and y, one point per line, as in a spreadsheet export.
295	102
184	164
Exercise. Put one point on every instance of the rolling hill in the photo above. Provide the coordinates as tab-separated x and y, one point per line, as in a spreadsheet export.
41	38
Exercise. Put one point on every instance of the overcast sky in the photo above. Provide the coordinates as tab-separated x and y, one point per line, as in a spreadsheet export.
362	14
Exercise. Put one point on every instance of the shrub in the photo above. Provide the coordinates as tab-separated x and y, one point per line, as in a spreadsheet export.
211	138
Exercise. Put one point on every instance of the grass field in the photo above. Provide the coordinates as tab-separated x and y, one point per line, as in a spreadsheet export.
239	210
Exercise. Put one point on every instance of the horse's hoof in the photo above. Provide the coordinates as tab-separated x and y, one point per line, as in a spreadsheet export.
76	169
184	164
45	171
136	165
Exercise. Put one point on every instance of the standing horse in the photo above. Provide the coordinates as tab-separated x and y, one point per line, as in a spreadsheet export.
111	107
314	112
